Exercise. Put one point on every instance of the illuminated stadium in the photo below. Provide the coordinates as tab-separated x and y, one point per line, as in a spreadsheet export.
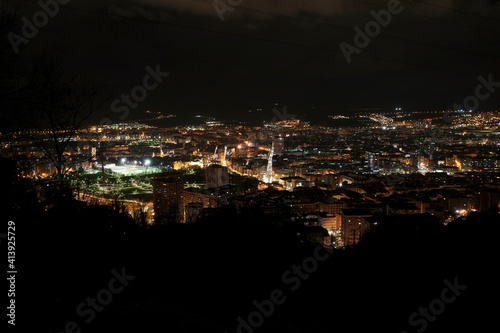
130	170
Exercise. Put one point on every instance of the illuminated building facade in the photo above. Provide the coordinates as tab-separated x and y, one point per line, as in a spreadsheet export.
354	225
168	197
216	176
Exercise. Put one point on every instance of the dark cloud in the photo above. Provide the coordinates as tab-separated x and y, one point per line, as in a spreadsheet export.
287	7
428	57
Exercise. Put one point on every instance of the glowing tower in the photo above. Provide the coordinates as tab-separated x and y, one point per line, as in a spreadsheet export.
269	172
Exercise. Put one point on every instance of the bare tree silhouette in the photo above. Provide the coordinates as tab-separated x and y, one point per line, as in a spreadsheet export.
59	107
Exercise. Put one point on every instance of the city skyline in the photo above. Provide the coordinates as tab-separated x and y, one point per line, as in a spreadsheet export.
250	166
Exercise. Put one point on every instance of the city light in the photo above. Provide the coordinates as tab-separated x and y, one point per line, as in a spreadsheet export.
378	215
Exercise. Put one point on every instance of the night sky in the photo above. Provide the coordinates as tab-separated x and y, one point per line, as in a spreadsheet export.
282	51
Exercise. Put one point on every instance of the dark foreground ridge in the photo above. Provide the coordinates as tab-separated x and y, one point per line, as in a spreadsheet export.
91	268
